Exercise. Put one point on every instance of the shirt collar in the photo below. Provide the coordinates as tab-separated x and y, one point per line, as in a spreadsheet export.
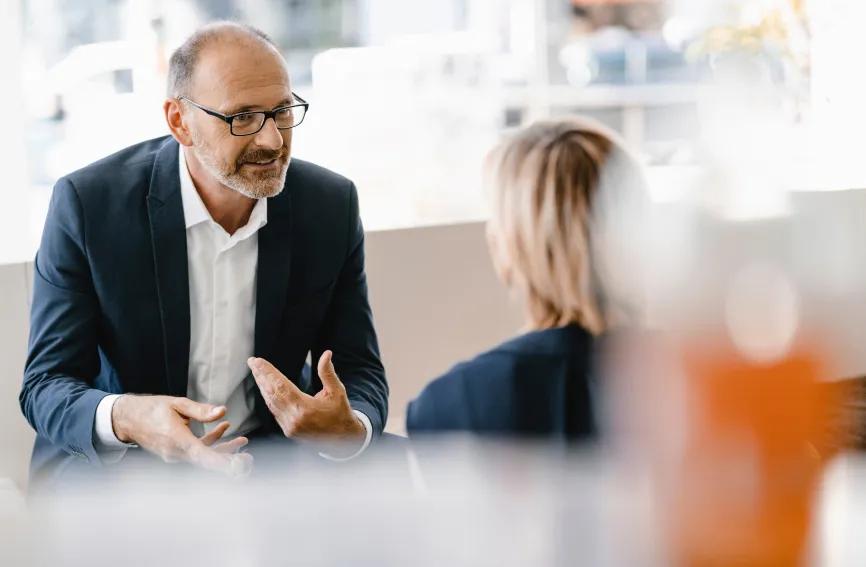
194	211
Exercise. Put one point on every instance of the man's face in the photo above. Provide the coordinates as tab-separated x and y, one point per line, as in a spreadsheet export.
232	78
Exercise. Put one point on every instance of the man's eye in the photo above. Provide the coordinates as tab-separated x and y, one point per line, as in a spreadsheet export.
241	118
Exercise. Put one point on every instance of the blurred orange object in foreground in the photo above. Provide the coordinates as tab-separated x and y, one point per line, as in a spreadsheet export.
742	493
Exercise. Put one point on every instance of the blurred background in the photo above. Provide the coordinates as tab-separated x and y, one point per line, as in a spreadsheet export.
435	81
406	96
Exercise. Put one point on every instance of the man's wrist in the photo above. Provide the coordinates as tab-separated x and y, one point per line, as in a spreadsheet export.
334	455
104	436
118	415
368	428
355	429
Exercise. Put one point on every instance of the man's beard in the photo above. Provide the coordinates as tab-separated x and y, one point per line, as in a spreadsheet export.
258	185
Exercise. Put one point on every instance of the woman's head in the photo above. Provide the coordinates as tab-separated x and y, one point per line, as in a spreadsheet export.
563	197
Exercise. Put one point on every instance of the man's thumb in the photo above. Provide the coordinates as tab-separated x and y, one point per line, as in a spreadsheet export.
327	374
199	412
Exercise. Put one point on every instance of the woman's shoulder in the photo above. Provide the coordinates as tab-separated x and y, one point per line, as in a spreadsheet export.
545	342
488	376
534	346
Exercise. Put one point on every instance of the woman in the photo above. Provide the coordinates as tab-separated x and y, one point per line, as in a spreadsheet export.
564	197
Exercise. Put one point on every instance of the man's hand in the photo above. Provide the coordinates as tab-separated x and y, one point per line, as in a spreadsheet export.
229	447
160	424
326	418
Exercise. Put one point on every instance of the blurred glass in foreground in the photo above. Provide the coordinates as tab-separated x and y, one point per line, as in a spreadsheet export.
728	403
472	504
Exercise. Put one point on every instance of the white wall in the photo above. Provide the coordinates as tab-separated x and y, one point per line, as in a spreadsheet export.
16	437
436	301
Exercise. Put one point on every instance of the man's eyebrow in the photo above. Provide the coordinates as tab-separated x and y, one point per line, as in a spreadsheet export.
253	108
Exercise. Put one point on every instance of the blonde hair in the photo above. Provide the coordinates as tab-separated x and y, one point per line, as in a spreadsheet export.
553	188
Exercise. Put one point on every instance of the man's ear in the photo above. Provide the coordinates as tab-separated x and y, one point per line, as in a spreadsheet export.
175	117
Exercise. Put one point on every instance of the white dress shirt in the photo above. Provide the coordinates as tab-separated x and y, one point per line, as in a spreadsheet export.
222	288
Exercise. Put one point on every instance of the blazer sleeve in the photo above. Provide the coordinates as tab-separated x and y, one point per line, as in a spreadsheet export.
57	396
347	330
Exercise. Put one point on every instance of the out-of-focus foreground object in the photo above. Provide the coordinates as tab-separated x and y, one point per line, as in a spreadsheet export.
744	489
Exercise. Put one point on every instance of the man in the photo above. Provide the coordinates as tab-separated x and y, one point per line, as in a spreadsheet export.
173	270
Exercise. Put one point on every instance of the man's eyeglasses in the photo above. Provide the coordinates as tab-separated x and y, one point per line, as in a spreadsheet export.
250	122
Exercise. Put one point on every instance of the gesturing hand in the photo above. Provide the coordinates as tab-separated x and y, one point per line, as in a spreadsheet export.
228	447
326	417
160	424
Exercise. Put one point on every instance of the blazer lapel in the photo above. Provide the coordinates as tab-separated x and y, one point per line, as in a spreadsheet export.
274	268
168	234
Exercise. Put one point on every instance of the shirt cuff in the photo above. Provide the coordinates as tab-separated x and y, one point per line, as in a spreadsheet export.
109	448
368	426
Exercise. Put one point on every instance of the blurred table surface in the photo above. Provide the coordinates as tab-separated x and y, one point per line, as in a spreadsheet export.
507	508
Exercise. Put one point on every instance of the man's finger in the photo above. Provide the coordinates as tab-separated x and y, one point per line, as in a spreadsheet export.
328	375
197	452
199	412
232	446
211	460
210	438
271	381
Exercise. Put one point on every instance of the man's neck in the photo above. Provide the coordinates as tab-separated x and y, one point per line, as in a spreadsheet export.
227	207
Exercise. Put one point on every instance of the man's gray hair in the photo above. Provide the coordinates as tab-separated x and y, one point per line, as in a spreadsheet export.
181	66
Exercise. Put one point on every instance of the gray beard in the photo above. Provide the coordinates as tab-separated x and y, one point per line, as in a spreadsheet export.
236	182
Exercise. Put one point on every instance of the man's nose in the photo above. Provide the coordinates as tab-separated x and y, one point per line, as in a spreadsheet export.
269	136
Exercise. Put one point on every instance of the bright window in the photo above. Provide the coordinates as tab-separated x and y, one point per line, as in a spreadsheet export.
406	97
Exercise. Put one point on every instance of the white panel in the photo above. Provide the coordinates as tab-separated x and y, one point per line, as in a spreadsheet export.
28	275
16	437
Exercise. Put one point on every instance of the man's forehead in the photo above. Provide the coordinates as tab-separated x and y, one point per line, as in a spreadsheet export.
242	77
235	62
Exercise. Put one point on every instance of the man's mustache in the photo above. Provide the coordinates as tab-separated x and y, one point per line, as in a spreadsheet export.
260	156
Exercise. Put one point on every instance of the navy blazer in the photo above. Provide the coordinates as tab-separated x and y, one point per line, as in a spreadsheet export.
111	313
538	385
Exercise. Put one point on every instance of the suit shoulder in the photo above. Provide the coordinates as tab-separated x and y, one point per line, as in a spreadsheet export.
307	172
321	194
129	166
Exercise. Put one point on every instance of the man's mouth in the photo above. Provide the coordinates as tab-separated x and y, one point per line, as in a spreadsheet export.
262	164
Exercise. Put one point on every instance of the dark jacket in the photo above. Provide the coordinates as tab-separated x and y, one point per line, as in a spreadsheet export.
111	311
536	385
